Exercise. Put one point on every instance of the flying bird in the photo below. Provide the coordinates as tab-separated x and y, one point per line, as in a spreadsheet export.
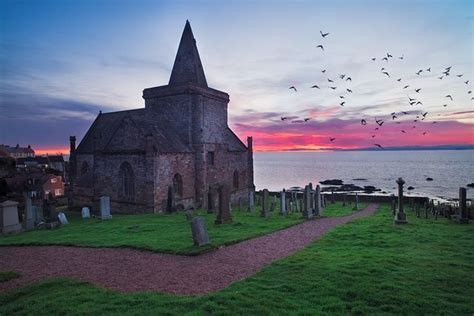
342	76
373	59
440	78
373	136
349	90
385	58
363	122
349	79
323	34
419	72
334	88
417	90
389	56
332	139
323	71
342	97
459	76
386	73
429	69
401	57
419	102
316	86
284	118
424	114
466	82
293	87
342	103
405	112
403	131
406	86
449	96
399	79
329	80
378	145
394	116
424	133
445	105
411	99
321	46
307	119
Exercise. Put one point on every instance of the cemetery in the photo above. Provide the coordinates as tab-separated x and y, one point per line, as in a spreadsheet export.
361	257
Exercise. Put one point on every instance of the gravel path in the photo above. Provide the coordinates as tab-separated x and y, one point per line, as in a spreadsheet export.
130	270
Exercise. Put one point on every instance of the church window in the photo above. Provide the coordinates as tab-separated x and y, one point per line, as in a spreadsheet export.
84	168
236	179
127	181
178	184
210	158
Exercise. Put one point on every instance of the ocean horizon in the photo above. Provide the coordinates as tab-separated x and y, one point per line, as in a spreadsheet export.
449	169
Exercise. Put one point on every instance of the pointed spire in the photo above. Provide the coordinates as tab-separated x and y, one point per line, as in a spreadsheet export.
187	66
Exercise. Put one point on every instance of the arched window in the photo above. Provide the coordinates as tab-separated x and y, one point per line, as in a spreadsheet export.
178	184
127	181
236	180
84	168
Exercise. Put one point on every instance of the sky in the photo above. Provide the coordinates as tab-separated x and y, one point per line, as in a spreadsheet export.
61	62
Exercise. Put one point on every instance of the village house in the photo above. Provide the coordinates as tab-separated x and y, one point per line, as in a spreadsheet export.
179	144
38	184
16	152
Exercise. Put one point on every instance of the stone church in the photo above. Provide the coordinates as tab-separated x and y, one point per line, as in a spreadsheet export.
179	144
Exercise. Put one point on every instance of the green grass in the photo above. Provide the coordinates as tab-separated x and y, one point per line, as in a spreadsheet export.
368	266
7	276
335	210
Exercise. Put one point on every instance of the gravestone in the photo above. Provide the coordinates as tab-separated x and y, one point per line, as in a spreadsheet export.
265	204
317	202
333	198
400	217
463	217
283	202
343	200
86	212
426	209
287	205
311	197
105	208
356	202
189	215
307	212
37	214
199	231
251	207
438	209
417	210
62	218
29	216
9	222
223	216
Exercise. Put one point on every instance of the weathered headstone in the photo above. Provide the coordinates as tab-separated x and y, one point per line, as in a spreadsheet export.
283	202
307	212
105	208
333	198
400	217
356	203
251	207
265	204
343	200
224	217
199	231
37	213
85	212
317	201
394	207
9	222
426	209
62	218
189	215
463	212
29	216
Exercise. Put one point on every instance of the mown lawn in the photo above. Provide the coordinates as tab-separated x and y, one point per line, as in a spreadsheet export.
169	233
336	209
368	266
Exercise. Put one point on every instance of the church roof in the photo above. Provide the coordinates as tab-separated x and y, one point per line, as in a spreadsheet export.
187	66
125	131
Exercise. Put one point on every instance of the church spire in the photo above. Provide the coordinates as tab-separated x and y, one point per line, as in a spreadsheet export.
187	66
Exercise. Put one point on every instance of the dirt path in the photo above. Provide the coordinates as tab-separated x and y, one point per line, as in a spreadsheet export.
130	270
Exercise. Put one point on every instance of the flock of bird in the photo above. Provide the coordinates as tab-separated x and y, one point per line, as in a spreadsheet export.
412	101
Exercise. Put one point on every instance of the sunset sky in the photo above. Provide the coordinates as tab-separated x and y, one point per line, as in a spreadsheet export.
63	61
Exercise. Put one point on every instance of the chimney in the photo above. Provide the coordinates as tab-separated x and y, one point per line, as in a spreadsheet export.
250	143
72	143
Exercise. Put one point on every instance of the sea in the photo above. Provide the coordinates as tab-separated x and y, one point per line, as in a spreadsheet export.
450	170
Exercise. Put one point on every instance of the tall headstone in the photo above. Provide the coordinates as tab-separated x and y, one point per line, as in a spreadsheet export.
265	204
224	217
394	208
9	222
400	217
199	231
343	200
307	212
105	208
62	218
317	201
333	198
311	197
251	207
85	212
29	216
463	217
356	203
283	202
37	214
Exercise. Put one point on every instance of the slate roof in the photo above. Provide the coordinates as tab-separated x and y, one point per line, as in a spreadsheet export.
146	121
